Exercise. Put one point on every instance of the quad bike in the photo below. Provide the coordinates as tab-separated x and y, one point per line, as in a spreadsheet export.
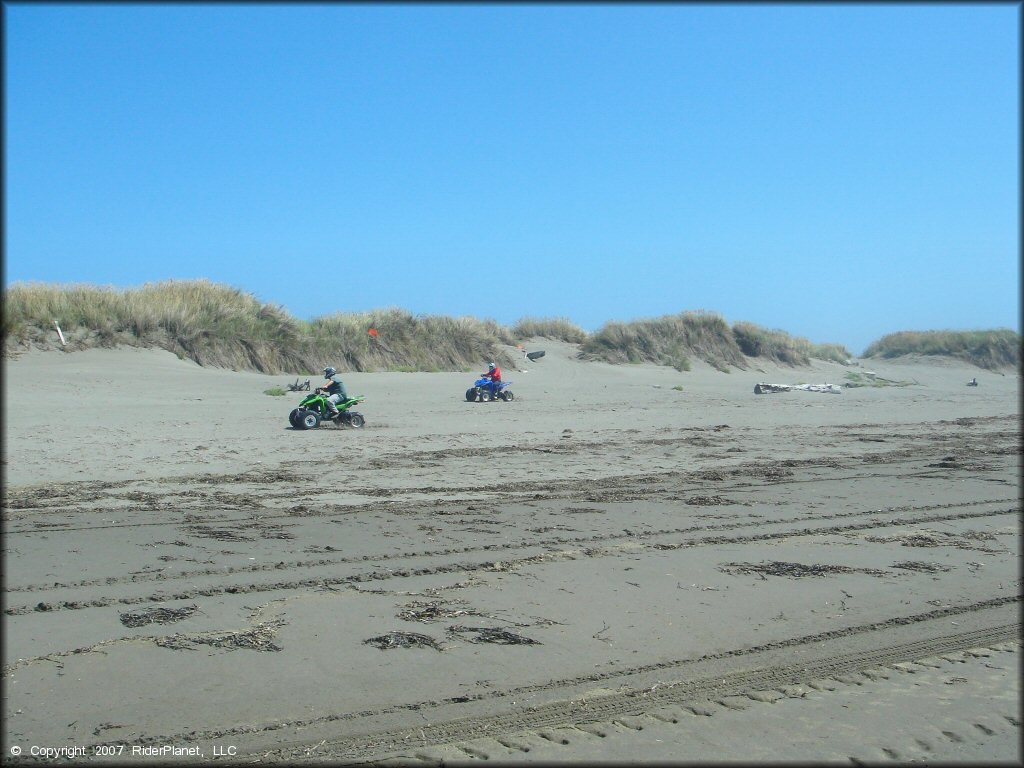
486	390
314	409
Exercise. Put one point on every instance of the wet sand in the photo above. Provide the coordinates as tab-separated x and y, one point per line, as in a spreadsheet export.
624	563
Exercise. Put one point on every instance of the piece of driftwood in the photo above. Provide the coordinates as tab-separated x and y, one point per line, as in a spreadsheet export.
764	389
296	387
534	355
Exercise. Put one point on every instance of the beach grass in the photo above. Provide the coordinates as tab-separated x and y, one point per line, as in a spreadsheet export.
218	325
780	347
989	349
221	326
675	339
668	340
558	328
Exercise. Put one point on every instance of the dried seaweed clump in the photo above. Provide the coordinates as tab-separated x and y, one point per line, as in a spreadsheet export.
258	638
796	570
428	611
491	635
918	565
960	540
157	616
403	640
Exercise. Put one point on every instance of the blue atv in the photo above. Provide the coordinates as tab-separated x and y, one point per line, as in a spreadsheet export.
485	390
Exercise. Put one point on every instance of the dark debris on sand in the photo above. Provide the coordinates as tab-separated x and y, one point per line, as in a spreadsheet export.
403	640
428	611
796	570
257	639
491	635
157	616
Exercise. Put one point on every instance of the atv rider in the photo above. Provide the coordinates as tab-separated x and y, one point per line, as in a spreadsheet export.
335	388
494	374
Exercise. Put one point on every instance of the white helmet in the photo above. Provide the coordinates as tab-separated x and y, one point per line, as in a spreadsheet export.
328	372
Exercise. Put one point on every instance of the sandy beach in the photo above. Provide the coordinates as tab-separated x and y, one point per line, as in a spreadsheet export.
625	563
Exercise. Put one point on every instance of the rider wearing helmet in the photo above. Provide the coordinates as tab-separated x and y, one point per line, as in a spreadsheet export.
335	389
494	374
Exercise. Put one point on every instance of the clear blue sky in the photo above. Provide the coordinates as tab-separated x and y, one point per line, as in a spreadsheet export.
836	171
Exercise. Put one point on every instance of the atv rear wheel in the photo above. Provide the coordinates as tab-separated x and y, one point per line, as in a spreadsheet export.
308	419
356	420
471	394
506	395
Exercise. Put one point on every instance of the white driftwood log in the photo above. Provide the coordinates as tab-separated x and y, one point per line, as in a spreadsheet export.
764	389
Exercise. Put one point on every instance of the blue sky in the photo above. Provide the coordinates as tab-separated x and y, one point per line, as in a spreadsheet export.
835	171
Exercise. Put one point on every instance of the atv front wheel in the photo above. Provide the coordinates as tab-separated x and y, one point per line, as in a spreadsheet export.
485	395
308	419
293	418
471	394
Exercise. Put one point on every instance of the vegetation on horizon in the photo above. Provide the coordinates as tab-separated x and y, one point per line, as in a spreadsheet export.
672	339
557	328
988	349
780	347
217	325
667	340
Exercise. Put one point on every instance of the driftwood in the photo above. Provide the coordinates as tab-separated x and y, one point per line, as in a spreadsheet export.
296	387
764	389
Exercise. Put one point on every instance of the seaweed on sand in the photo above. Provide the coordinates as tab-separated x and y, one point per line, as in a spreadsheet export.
491	635
433	610
797	570
258	638
157	616
403	640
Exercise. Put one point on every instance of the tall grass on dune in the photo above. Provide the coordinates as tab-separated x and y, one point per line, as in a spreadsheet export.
557	328
212	324
403	341
667	340
674	339
225	327
222	326
990	349
778	346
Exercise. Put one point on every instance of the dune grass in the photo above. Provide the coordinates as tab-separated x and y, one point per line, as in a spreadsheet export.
558	328
407	342
989	349
667	340
225	327
222	326
778	346
674	339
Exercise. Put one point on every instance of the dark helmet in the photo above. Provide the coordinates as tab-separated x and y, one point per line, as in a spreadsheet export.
490	366
328	372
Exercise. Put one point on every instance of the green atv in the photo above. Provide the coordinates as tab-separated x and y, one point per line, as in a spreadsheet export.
314	409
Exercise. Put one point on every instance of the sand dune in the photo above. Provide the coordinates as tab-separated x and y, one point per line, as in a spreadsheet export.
623	563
